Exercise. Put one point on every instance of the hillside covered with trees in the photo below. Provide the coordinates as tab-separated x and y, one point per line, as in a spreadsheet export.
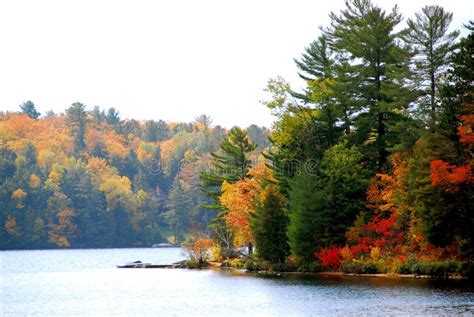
87	179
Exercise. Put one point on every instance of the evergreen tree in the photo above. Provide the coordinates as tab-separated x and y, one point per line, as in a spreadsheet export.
98	116
230	164
29	109
342	181
7	163
76	120
112	117
324	205
428	33
459	91
306	223
155	131
317	61
368	48
269	224
179	205
446	212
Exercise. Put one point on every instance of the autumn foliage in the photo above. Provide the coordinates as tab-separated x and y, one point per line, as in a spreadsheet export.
240	198
450	177
329	257
198	248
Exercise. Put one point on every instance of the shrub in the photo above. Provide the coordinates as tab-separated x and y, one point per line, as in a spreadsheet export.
253	265
405	268
437	269
198	249
329	257
216	253
361	267
313	267
283	267
346	254
236	262
193	264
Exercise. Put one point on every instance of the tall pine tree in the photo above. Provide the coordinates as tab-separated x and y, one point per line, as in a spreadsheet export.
376	68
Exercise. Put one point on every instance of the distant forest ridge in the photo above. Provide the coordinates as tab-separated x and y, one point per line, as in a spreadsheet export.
90	179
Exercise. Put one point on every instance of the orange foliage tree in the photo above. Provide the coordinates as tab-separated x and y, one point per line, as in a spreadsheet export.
239	200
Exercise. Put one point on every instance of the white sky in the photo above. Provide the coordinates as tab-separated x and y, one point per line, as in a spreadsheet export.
170	60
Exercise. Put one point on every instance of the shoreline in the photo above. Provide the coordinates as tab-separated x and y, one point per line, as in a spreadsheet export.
217	266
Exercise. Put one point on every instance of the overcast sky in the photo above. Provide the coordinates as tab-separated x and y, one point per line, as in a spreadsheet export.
170	60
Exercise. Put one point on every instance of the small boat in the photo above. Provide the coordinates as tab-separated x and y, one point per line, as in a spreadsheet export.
164	245
136	264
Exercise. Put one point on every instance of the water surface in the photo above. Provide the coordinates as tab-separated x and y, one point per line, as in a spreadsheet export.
86	282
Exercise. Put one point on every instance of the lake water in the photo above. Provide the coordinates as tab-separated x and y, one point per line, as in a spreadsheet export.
86	282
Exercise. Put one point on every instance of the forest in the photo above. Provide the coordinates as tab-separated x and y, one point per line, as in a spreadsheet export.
87	179
367	169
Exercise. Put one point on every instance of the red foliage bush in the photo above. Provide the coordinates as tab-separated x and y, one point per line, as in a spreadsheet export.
329	257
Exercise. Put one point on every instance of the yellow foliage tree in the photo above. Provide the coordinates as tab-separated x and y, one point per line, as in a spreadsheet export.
118	192
35	181
60	220
11	227
54	179
99	170
19	196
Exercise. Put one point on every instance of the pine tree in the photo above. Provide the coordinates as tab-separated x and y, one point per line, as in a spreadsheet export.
179	207
428	33
317	60
76	120
29	109
368	49
230	164
306	223
155	131
7	163
112	117
269	225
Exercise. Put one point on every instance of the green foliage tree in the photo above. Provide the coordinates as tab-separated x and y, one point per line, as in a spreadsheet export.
269	225
306	223
7	163
179	205
155	130
112	117
428	33
29	109
98	116
317	60
77	122
325	204
367	45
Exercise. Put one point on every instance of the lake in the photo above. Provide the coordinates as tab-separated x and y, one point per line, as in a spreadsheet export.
86	282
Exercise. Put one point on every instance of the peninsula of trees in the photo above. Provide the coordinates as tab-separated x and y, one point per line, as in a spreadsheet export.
368	169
